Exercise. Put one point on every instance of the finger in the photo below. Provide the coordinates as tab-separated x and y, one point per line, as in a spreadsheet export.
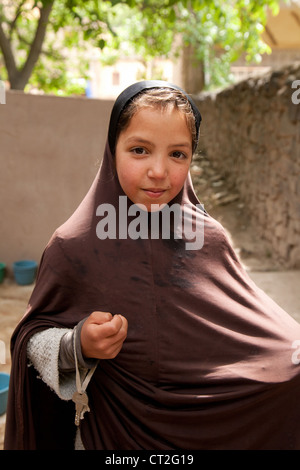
124	320
112	328
99	318
110	350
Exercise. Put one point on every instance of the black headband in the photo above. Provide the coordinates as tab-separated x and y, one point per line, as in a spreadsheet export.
126	96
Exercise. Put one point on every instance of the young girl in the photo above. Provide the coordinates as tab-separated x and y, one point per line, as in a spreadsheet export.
174	348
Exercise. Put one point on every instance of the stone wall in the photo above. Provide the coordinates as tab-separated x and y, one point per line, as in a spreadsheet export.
251	133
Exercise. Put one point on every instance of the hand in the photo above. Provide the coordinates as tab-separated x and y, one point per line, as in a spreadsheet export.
102	335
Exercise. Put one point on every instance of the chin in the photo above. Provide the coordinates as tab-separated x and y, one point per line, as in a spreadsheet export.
151	207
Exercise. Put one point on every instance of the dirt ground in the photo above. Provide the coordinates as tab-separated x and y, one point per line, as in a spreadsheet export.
222	203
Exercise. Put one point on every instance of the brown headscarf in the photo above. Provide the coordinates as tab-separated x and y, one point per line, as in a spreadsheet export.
209	360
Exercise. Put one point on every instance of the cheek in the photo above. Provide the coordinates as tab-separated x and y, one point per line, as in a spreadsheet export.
179	177
128	176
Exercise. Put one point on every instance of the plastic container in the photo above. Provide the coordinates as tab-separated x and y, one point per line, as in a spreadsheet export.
24	271
4	382
2	271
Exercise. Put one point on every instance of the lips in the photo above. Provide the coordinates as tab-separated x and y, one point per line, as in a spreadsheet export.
154	192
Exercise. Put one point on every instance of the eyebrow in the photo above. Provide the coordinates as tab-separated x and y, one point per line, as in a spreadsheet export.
145	141
137	139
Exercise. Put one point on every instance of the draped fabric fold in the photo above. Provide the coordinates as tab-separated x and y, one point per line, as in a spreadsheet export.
209	360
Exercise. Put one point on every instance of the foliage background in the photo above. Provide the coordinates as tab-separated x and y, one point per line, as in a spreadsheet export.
46	44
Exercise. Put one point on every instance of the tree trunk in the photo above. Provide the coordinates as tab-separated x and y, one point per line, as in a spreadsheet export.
192	71
18	78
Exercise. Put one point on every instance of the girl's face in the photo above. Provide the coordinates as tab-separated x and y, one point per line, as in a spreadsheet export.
153	156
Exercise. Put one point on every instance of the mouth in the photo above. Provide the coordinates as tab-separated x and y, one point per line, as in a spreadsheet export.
154	192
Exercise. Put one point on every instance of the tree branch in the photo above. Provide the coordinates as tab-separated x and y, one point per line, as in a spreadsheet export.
14	21
52	54
7	53
36	47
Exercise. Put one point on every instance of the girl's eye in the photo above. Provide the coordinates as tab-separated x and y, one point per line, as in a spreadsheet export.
138	151
178	154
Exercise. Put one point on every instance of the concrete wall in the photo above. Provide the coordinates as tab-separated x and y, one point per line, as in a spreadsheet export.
50	150
251	133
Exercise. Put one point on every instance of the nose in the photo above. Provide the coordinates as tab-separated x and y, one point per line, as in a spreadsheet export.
158	168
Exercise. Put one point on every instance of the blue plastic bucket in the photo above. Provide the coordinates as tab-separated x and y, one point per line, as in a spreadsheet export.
4	382
24	272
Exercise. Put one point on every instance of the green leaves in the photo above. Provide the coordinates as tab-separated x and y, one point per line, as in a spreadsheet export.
101	43
218	32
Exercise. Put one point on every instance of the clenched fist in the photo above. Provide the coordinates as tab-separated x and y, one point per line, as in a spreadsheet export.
102	335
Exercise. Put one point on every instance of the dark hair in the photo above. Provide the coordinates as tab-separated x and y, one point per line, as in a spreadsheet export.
159	98
139	88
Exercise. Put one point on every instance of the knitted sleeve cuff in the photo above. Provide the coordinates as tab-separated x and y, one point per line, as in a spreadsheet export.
43	353
51	352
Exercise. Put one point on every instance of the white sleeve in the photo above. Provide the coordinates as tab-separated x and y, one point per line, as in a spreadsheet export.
43	353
